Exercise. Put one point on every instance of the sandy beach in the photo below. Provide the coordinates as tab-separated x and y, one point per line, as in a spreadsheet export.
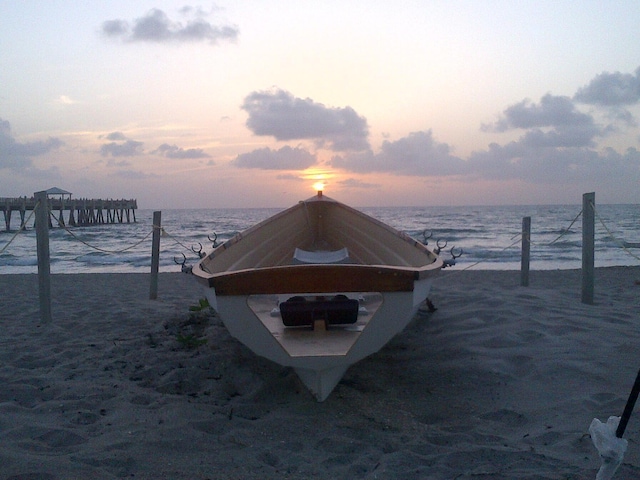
501	382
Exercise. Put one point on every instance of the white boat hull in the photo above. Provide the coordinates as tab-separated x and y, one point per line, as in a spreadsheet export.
320	370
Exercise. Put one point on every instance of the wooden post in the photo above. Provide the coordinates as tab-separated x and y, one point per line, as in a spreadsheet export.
526	249
155	255
588	246
42	247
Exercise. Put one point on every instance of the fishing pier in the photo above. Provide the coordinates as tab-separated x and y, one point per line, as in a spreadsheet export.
81	211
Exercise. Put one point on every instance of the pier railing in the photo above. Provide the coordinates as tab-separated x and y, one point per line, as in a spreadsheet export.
81	211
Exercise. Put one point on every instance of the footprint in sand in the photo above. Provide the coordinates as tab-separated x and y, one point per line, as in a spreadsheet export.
506	417
51	440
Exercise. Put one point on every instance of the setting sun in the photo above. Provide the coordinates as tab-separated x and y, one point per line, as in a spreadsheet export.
318	186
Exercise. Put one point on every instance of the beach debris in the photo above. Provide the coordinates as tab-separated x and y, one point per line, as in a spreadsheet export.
203	304
610	447
190	341
607	437
191	332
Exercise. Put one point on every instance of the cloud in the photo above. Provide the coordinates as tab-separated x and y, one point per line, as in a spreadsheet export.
127	147
157	27
115	136
290	176
416	154
173	151
118	163
134	175
279	114
611	90
554	165
623	116
554	122
18	156
286	158
355	183
562	137
557	144
537	157
552	111
64	100
115	28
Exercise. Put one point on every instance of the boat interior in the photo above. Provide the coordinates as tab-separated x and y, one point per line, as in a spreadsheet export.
301	311
318	230
305	340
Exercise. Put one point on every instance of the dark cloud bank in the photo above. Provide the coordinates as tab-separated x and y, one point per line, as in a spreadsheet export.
557	143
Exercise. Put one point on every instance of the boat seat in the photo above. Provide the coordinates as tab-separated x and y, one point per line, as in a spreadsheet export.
321	256
300	312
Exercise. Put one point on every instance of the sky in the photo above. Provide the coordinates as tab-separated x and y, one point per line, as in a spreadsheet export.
387	103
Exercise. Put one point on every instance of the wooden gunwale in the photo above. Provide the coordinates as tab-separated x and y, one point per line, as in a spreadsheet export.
315	279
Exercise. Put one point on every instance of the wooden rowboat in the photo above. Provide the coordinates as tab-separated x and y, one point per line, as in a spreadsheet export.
318	287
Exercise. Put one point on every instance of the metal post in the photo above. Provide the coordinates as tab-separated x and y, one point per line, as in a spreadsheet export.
588	246
42	247
526	249
155	255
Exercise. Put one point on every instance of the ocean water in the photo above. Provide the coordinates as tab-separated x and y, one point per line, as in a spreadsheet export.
489	236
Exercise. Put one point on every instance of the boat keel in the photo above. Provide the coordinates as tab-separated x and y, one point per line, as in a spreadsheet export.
321	382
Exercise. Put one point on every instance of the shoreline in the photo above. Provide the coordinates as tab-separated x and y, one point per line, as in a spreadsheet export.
502	381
